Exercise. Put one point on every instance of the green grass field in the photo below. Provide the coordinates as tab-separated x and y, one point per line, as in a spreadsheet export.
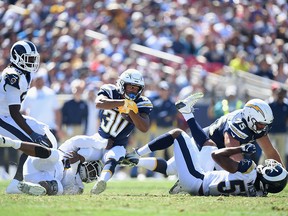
133	197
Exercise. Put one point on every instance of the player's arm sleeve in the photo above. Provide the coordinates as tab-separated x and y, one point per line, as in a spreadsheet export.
13	95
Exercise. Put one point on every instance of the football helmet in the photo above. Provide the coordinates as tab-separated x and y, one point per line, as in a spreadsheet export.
90	171
132	77
273	176
258	115
24	56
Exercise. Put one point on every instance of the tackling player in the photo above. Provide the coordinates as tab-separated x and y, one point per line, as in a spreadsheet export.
242	126
238	177
14	84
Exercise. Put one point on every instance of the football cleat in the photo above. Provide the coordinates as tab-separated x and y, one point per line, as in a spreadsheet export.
99	187
186	105
31	188
177	189
131	159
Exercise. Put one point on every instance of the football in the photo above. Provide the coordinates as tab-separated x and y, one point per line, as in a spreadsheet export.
126	117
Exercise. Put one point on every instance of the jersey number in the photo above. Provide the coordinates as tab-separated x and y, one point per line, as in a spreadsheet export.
114	123
235	185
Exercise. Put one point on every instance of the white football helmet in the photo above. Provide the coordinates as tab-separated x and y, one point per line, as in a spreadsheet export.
273	176
258	115
90	171
24	56
132	77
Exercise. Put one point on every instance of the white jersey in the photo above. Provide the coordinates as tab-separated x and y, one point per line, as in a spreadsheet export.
46	100
217	183
90	147
13	88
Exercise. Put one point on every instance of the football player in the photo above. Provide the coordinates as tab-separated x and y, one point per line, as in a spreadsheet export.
252	123
241	178
122	107
194	168
52	171
14	84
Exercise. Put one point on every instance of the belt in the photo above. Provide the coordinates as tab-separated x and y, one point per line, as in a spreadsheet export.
200	191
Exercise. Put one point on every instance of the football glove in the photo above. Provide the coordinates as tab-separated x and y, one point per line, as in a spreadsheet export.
128	105
41	139
248	149
246	166
123	109
131	105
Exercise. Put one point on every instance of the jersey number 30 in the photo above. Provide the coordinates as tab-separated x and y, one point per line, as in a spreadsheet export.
114	123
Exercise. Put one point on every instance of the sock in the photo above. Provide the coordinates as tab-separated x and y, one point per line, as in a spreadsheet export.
154	164
197	132
19	172
108	170
16	144
161	166
205	158
188	116
162	142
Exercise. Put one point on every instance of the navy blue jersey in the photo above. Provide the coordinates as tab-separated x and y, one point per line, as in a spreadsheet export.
112	124
236	126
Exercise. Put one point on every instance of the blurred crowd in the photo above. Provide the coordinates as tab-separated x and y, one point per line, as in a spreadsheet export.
246	35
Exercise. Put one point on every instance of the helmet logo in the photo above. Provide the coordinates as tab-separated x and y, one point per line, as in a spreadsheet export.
257	108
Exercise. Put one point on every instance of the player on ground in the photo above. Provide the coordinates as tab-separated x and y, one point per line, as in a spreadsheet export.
54	172
237	178
14	84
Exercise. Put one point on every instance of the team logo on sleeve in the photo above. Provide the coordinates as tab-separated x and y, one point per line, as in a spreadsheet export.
12	80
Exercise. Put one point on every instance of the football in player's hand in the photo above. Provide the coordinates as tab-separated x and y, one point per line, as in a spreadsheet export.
126	117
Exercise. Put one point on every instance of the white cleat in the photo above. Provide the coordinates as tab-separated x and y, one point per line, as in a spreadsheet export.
31	188
186	105
12	188
99	187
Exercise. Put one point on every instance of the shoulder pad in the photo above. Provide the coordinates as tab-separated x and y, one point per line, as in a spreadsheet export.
109	90
12	80
144	103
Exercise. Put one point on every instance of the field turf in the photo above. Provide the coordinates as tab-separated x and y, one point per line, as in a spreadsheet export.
137	198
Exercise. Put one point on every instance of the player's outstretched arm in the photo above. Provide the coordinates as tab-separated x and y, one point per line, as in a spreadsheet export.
102	102
223	158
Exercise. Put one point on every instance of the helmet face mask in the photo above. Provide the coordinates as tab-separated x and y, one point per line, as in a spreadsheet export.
90	171
24	56
258	115
273	176
130	77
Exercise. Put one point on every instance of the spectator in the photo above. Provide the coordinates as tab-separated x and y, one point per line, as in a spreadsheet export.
75	112
93	113
264	68
227	105
41	99
278	133
164	115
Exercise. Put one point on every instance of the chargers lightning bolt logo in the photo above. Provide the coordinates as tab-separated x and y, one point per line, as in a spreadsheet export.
257	108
